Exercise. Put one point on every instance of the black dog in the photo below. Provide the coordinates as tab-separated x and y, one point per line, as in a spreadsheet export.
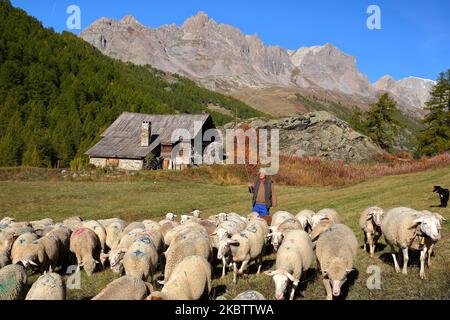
443	194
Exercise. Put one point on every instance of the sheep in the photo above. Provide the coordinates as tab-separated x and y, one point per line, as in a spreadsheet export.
181	230
113	233
62	233
220	237
406	228
304	217
116	254
41	224
325	214
13	282
319	229
132	226
7	238
248	246
336	252
167	226
85	245
293	258
279	217
43	253
370	222
22	241
106	222
99	231
441	219
277	233
5	259
125	288
141	259
195	243
190	280
49	286
73	223
170	217
156	238
6	221
250	295
151	225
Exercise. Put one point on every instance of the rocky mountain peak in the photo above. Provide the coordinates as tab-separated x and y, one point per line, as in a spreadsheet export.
198	22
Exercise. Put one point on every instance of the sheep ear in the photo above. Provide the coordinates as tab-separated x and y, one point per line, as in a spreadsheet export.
419	220
290	277
161	282
32	263
270	273
213	234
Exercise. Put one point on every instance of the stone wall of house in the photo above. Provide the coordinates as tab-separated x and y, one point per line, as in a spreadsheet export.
98	162
127	164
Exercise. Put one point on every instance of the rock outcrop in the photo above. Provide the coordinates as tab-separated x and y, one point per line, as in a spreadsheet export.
319	134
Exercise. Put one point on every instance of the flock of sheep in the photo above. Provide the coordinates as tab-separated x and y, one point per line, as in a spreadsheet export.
186	251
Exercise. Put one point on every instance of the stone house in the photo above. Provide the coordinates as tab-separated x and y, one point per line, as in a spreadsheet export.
142	141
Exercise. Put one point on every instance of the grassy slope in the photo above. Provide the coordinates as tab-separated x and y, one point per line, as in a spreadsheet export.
134	201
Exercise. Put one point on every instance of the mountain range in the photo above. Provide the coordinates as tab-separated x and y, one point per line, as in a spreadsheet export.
221	58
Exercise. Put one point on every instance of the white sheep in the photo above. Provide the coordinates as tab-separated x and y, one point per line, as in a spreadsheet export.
125	288
5	259
22	241
293	258
405	229
277	233
85	245
220	237
182	229
151	225
13	282
370	223
114	233
43	253
441	219
73	223
141	259
248	245
170	217
195	243
336	252
49	286
190	280
325	214
99	231
304	217
279	217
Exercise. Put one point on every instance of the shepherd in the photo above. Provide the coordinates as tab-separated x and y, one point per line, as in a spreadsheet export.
264	196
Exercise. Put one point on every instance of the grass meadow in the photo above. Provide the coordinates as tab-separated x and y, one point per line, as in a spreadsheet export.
152	197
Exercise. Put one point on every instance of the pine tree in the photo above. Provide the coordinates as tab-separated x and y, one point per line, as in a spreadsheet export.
381	124
435	138
357	120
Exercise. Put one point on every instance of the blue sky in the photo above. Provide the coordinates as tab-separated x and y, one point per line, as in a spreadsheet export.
414	39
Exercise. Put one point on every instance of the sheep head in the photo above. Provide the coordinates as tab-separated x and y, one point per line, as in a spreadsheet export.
337	274
171	216
196	213
276	237
224	243
281	278
430	226
376	215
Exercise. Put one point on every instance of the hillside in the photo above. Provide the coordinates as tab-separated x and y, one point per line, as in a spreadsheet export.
58	93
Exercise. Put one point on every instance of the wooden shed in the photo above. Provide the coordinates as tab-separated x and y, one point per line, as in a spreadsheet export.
142	141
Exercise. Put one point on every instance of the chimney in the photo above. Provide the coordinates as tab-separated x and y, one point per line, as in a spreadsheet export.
146	133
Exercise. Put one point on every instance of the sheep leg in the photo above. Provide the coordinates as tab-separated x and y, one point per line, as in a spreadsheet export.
294	287
365	242
326	283
235	272
394	256
224	265
430	251
370	242
260	264
405	261
423	254
243	266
